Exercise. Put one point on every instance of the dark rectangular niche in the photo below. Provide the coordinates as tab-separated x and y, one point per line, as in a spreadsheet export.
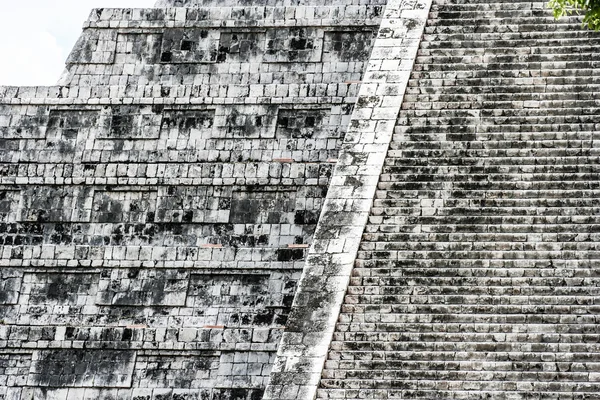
240	46
82	368
65	127
348	46
56	204
143	287
132	123
193	46
264	207
185	127
123	207
301	124
294	45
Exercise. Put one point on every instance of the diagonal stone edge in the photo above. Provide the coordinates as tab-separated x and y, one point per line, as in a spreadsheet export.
303	349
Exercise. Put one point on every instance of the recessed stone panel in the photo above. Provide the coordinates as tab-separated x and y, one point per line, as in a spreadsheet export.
181	46
82	368
213	290
348	45
59	288
56	204
302	124
189	371
143	287
302	44
131	123
65	130
248	122
263	207
184	129
123	207
23	122
240	46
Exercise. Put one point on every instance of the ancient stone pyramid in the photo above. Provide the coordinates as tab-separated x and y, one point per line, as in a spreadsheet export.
300	199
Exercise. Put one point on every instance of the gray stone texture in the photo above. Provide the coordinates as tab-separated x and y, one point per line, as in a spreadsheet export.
476	275
157	206
300	199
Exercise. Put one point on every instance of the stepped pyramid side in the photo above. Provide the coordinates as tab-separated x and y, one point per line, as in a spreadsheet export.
477	276
294	199
156	206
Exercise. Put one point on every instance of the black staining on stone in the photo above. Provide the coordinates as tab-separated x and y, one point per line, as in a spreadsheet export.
82	368
127	335
60	288
180	46
64	127
238	394
122	122
239	46
293	45
350	45
261	207
286	255
242	125
145	288
305	217
301	124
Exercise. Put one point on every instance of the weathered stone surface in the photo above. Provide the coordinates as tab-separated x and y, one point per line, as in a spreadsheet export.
156	208
475	277
290	199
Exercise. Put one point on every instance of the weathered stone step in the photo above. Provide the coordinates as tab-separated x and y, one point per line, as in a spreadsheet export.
495	159
482	178
458	141
463	155
527	333
511	185
544	36
500	83
500	26
493	171
493	43
458	101
485	112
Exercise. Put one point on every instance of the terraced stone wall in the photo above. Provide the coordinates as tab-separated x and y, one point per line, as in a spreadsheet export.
156	207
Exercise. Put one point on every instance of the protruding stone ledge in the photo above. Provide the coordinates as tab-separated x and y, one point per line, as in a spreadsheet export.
304	346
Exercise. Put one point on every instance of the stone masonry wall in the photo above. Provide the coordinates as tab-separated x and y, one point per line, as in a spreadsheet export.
156	207
300	199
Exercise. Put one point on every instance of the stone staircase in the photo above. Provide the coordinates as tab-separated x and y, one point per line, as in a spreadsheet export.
478	274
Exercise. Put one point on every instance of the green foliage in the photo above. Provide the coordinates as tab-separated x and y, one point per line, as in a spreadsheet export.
589	8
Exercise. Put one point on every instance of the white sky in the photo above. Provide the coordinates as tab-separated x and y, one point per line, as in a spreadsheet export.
36	36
